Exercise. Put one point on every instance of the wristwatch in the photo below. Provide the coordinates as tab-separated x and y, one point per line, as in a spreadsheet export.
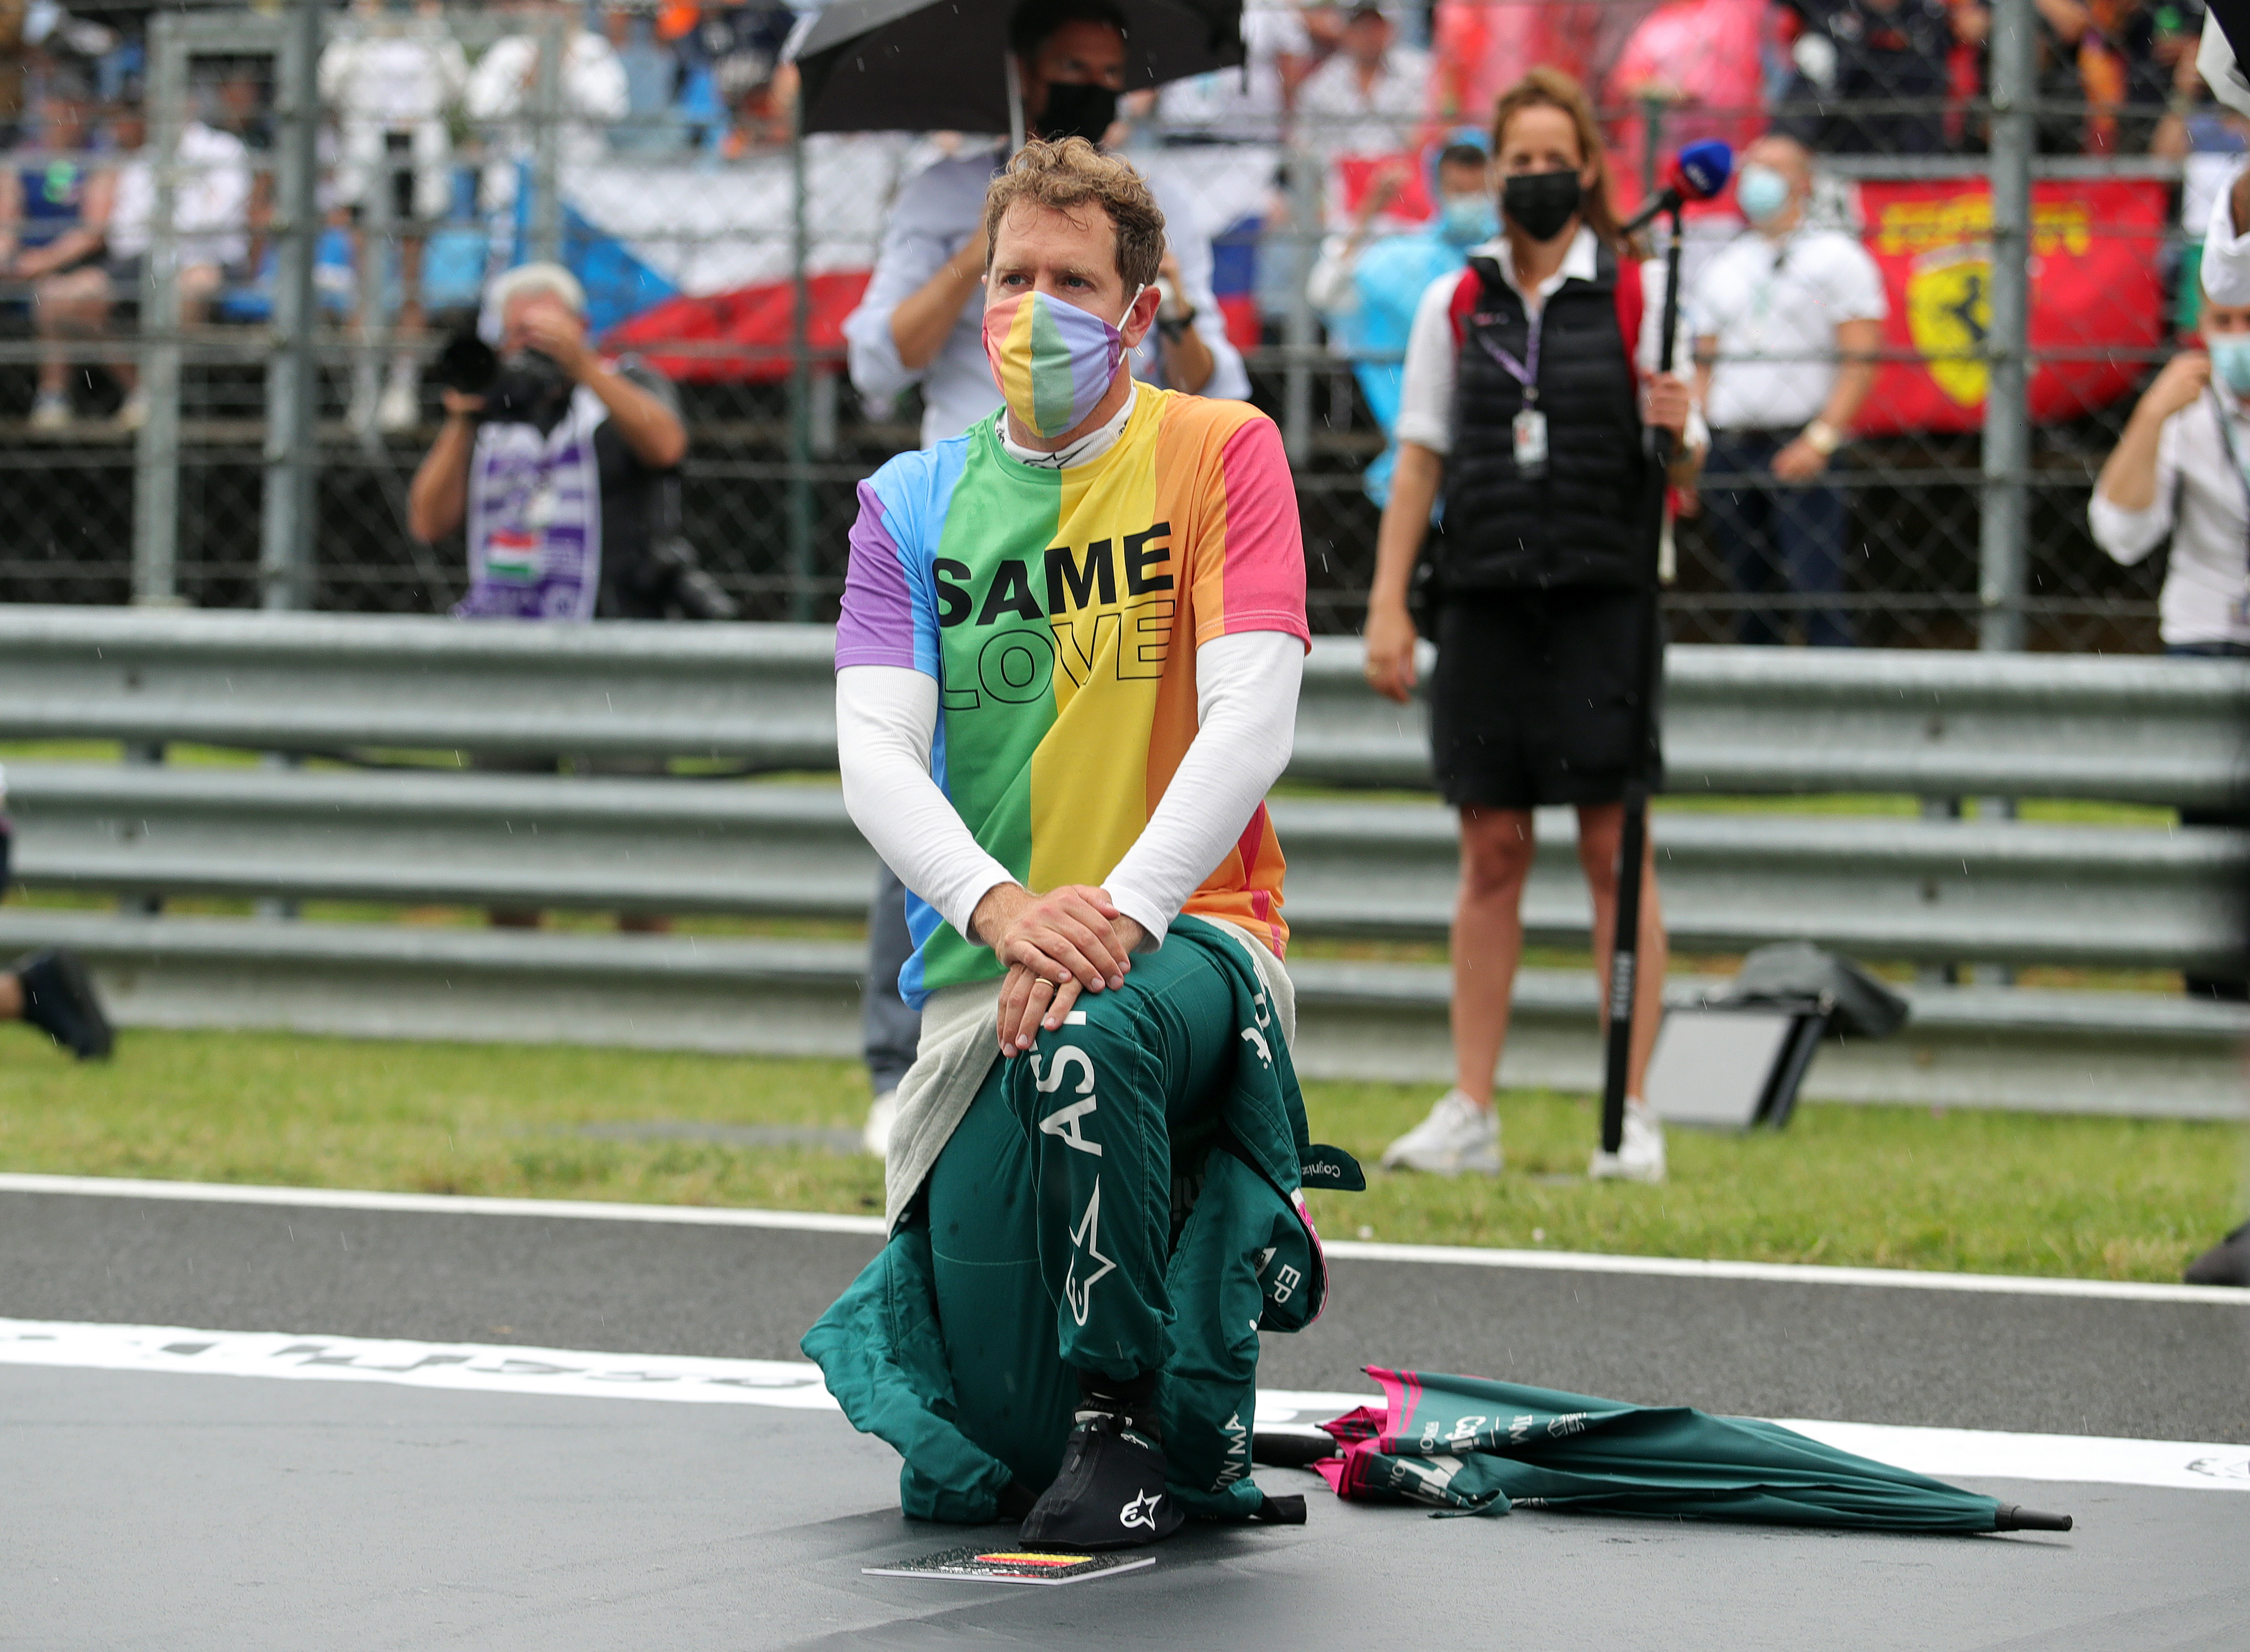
1175	328
1822	437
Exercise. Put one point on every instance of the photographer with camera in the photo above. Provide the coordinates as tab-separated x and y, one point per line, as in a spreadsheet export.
563	468
565	471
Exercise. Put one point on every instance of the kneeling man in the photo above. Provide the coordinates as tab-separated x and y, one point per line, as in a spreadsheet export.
1067	671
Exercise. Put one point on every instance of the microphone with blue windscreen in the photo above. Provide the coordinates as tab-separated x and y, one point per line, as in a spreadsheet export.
1698	172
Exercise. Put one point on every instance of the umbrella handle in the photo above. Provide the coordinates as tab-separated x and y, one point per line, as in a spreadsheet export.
2013	1518
1277	1450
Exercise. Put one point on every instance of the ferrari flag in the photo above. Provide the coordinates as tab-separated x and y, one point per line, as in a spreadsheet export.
2096	304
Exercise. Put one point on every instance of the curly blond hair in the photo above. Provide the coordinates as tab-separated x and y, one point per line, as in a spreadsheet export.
1063	176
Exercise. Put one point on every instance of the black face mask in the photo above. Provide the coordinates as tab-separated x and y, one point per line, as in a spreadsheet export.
530	388
1083	110
1540	203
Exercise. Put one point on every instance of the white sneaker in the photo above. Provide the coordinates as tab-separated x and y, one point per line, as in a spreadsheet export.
1458	1135
133	411
876	1138
400	408
50	412
1639	1156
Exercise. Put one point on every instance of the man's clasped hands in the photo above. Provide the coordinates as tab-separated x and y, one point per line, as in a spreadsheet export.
1055	946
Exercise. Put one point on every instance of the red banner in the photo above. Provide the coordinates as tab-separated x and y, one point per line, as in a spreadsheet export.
742	336
2097	298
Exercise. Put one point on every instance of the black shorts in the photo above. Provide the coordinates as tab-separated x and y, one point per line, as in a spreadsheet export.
1532	701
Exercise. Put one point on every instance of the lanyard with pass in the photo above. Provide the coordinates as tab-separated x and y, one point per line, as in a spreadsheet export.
1530	423
2239	610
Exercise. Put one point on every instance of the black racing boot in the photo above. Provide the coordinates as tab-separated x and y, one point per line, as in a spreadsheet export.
59	1000
1110	1493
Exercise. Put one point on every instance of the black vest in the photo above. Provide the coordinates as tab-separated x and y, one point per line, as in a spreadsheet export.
1580	523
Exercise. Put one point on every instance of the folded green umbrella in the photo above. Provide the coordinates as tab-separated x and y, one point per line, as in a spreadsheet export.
1466	1446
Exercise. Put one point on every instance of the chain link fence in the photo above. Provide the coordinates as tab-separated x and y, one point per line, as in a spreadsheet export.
239	239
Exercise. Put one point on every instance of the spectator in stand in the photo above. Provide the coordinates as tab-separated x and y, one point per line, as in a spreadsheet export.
210	216
1893	57
1249	105
15	56
391	77
1368	98
762	100
915	325
651	125
1788	322
2156	44
505	81
243	111
1366	291
54	213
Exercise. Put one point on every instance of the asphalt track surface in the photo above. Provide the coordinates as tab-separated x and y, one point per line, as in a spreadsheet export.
164	1510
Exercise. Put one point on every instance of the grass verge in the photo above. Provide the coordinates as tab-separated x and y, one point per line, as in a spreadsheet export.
1883	1186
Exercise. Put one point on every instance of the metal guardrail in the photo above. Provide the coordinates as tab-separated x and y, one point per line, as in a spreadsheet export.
1976	1047
1738	720
1878	888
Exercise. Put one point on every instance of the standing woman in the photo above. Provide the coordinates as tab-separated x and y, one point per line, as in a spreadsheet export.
1521	378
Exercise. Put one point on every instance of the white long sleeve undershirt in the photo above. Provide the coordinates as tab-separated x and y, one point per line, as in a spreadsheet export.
1246	713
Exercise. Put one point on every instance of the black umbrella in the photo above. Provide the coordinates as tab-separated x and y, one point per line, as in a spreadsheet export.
943	66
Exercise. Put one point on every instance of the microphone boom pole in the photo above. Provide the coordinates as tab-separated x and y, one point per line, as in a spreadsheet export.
1632	848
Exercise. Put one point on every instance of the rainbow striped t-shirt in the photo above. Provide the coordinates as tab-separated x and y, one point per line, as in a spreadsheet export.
1059	612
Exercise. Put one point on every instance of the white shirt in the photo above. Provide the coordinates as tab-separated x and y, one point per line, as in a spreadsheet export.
937	212
594	97
2226	255
211	201
2201	503
1426	399
1774	307
1336	117
1245	105
393	78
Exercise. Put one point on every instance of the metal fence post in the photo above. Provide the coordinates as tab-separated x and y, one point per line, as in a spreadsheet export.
156	447
292	455
547	142
2007	422
800	385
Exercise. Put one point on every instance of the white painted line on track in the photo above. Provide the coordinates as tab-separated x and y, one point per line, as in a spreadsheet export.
1785	1273
477	1366
1343	1249
797	1385
1974	1454
438	1204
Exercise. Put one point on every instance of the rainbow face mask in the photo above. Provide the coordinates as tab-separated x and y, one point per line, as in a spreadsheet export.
1052	361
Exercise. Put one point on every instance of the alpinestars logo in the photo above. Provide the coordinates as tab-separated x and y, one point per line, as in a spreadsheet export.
1086	1238
1140	1512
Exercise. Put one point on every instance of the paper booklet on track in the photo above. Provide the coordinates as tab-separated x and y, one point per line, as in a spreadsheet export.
976	1564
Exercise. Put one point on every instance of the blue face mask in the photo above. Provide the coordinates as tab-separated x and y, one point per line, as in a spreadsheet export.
1762	193
2229	360
1469	219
